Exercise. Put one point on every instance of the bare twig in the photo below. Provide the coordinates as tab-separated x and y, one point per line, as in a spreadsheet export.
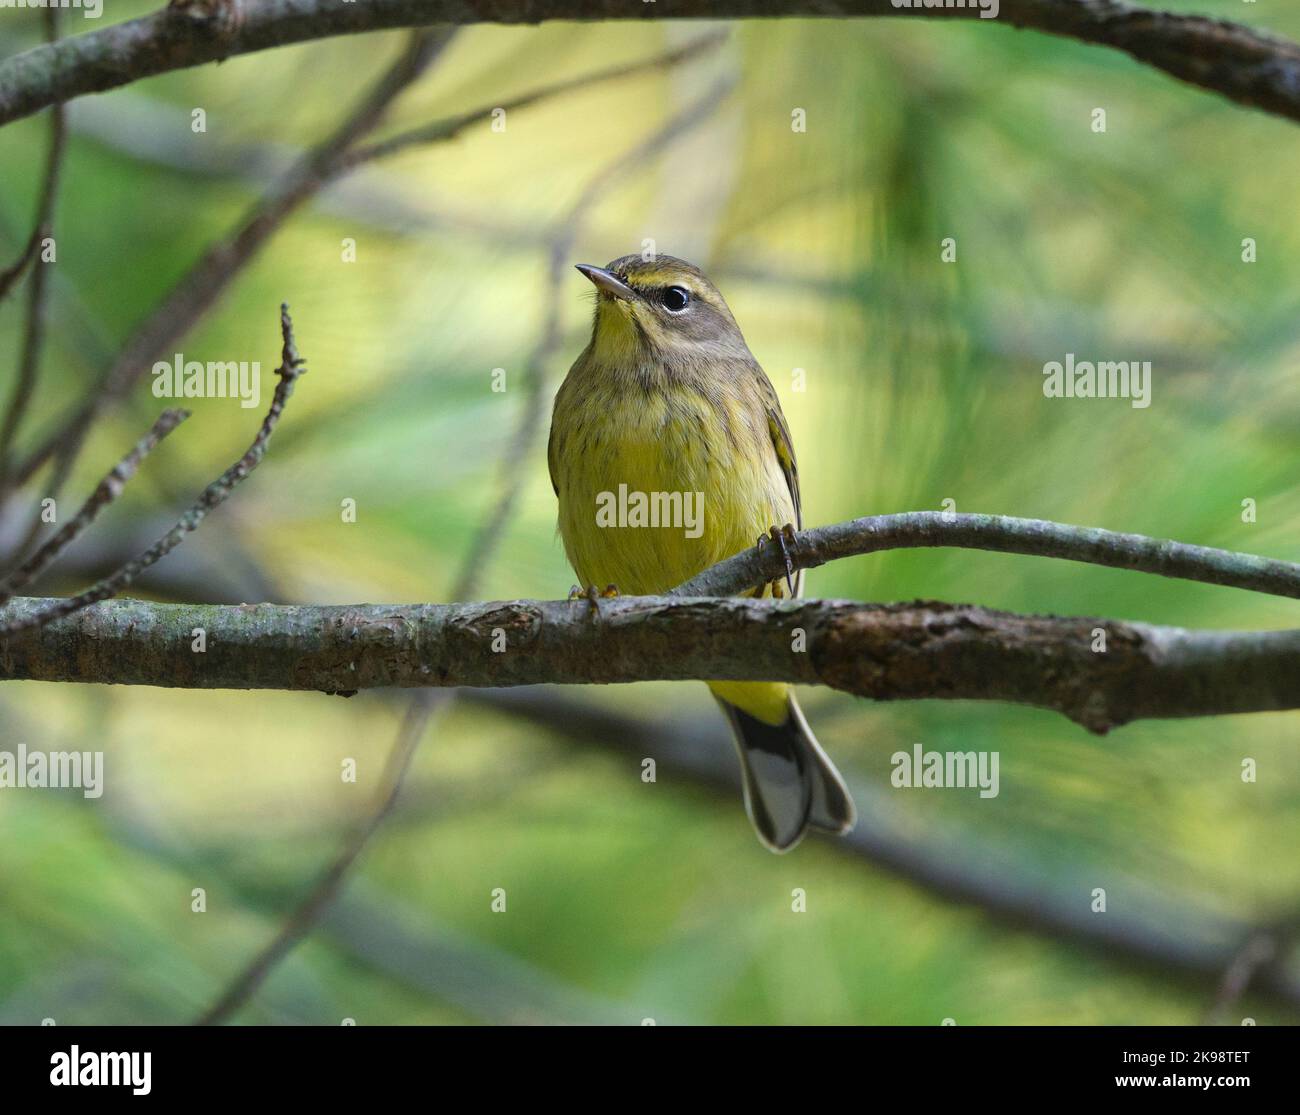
105	493
452	126
198	291
304	917
201	287
1000	534
1246	65
216	493
34	328
14	271
1251	959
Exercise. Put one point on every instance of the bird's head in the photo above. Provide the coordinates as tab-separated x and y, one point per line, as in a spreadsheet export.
663	310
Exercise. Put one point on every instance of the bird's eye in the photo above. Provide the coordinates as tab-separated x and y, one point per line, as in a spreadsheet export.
676	299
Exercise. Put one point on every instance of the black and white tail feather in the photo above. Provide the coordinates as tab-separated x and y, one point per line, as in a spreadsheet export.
790	784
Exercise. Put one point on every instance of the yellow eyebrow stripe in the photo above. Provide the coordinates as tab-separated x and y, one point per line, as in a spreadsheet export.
650	275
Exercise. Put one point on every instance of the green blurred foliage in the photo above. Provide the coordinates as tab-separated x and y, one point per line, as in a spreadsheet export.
628	900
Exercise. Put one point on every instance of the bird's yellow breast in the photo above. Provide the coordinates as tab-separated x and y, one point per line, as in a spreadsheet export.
678	446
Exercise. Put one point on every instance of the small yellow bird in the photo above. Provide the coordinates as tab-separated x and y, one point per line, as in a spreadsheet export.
668	453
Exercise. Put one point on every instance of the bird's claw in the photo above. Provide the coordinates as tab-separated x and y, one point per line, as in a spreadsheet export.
593	595
786	539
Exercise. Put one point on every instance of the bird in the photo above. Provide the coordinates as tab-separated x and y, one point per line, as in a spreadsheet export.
664	406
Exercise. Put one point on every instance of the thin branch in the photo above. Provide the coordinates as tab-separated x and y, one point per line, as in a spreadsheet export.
427	703
1101	673
1243	64
203	285
45	206
29	362
305	916
105	493
1253	958
999	534
14	271
195	294
291	367
441	130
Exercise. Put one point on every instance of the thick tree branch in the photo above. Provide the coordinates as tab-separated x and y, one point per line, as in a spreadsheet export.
1243	64
886	652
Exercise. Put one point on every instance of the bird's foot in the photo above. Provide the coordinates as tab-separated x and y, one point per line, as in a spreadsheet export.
593	595
786	538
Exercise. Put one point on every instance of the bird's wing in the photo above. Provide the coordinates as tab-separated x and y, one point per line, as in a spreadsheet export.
550	458
783	445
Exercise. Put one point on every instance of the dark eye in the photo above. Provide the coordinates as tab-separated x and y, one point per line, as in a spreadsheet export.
676	299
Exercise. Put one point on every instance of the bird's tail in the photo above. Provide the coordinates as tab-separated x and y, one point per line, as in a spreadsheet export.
790	784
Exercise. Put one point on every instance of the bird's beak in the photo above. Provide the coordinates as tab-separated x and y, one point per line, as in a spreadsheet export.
607	282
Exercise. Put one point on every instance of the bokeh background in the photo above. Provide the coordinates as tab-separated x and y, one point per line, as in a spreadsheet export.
629	900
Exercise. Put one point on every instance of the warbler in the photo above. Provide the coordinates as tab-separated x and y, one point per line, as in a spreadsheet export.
667	401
